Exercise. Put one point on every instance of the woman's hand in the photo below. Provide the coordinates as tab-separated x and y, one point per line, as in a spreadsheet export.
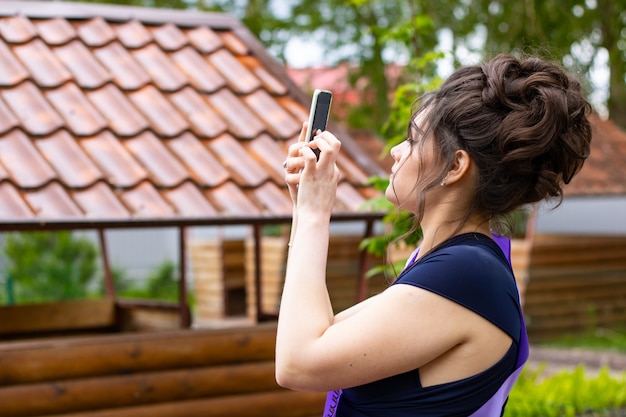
294	163
313	183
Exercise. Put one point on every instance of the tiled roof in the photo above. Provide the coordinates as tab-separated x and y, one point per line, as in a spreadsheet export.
118	114
604	173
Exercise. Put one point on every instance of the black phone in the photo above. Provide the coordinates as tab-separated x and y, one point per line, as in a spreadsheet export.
318	117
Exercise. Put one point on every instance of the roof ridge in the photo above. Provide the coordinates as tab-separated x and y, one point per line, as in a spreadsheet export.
118	13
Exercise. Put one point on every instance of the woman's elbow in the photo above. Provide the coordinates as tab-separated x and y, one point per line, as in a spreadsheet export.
294	378
287	377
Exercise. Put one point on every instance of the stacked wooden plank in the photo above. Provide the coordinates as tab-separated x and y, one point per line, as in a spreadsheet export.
185	373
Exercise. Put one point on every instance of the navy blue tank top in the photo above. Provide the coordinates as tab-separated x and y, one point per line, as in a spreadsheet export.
471	270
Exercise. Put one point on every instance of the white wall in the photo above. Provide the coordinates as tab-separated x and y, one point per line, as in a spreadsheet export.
584	215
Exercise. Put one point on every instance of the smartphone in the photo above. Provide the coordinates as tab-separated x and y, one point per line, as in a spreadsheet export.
318	117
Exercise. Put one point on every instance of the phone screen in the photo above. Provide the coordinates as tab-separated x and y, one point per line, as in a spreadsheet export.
320	108
318	118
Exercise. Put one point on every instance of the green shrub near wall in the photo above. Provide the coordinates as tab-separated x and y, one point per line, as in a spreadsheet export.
569	393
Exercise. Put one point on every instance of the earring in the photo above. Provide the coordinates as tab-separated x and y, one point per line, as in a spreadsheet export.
443	181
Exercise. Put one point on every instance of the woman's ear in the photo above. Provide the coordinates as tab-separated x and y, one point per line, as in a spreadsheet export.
460	167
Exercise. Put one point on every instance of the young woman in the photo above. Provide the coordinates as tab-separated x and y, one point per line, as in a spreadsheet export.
447	337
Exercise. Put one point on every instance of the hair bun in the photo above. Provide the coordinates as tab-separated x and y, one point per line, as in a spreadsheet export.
523	122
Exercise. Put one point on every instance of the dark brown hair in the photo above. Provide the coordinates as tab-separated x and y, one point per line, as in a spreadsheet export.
523	122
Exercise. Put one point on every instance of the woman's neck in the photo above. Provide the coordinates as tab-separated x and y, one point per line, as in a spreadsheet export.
434	235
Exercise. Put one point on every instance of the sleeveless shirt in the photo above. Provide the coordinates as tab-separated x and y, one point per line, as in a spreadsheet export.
471	270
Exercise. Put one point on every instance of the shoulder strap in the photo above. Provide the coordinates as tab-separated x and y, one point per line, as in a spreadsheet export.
494	407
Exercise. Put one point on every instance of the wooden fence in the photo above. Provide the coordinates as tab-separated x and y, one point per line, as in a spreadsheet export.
574	284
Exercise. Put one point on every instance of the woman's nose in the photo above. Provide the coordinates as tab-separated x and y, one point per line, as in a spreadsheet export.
395	152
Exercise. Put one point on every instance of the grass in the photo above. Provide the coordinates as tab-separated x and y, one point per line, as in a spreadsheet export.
598	339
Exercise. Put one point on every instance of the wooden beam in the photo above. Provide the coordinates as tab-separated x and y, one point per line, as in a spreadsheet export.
281	403
58	316
110	392
39	361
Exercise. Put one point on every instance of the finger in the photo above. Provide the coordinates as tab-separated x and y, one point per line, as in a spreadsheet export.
294	149
329	138
302	137
329	147
293	164
309	158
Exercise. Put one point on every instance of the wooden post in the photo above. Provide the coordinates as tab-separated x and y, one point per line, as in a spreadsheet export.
109	283
185	314
362	284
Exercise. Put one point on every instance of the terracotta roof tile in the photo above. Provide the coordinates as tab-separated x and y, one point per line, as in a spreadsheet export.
603	173
34	112
11	70
204	39
244	169
26	166
126	71
350	171
133	34
169	37
201	75
296	109
277	120
239	118
17	29
270	154
238	77
115	115
55	31
271	199
205	169
163	167
99	201
234	44
189	201
7	118
12	207
43	65
80	116
231	201
96	32
159	111
85	68
73	166
3	173
204	121
145	201
272	84
122	117
160	67
349	198
52	202
116	163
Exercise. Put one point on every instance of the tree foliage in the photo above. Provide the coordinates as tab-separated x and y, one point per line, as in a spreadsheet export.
575	32
49	266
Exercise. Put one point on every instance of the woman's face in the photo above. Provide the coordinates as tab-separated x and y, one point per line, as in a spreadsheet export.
410	157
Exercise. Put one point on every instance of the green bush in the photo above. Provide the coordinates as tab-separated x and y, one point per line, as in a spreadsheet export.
47	266
161	284
568	393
